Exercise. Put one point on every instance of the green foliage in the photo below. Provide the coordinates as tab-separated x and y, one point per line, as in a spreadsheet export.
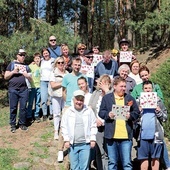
7	157
34	40
162	77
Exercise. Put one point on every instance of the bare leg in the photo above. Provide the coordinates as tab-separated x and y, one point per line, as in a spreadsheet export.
144	164
155	164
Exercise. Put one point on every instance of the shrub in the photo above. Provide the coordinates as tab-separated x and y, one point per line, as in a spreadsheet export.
162	77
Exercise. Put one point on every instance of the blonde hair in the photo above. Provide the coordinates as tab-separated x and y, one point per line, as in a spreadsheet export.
56	60
80	45
105	78
64	47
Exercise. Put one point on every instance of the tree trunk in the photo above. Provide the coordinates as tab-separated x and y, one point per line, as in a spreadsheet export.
128	7
116	44
90	37
83	21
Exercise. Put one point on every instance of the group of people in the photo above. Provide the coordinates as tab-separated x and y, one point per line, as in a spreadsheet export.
82	95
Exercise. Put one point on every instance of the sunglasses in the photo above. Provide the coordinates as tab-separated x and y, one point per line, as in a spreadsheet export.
21	55
90	56
81	49
53	40
60	62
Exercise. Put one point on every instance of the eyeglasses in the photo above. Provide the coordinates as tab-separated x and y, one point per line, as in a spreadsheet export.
60	62
53	40
21	55
81	49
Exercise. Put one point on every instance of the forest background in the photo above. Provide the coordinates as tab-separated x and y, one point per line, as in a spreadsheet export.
29	23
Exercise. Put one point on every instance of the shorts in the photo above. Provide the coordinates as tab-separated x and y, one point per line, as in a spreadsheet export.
149	149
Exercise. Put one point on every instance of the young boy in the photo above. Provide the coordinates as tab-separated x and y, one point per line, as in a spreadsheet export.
34	93
151	132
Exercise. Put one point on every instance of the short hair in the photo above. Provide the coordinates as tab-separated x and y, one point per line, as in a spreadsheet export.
82	78
133	62
117	80
80	45
45	49
105	78
64	47
143	68
147	82
107	53
76	59
37	54
124	66
96	47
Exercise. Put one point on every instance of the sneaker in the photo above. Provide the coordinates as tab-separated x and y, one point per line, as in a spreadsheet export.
23	127
29	121
56	135
13	129
44	118
50	117
37	120
60	156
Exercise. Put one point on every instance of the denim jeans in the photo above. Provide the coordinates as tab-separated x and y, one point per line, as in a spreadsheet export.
79	155
34	94
119	148
18	97
45	97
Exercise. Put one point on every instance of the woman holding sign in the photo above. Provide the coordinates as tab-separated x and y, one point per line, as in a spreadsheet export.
118	131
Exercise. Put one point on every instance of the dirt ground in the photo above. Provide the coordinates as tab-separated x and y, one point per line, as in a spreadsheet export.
25	142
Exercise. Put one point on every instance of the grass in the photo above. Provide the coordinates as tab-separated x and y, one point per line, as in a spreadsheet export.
8	156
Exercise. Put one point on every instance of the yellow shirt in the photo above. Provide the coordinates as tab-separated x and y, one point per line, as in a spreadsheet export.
120	125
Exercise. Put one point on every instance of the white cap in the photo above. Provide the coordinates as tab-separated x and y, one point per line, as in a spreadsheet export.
78	93
21	51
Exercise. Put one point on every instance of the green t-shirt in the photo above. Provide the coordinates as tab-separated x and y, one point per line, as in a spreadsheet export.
35	71
138	89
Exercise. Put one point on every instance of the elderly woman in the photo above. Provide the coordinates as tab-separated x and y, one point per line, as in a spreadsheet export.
55	91
123	72
134	68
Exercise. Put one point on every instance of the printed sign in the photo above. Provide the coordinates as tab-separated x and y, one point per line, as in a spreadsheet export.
125	56
20	67
120	111
88	70
96	59
148	100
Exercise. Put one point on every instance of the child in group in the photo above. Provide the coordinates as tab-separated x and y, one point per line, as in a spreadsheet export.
151	132
34	93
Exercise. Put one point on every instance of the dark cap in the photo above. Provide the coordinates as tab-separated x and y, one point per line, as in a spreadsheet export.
87	52
124	40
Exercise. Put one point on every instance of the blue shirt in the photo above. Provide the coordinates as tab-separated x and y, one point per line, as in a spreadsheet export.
55	52
148	124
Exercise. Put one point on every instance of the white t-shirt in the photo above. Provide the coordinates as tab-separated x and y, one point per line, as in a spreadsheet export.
136	77
46	68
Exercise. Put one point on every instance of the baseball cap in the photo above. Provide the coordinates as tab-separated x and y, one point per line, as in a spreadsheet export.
21	51
124	40
78	93
87	52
